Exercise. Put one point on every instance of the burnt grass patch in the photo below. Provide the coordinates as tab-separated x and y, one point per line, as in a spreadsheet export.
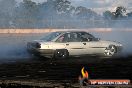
62	73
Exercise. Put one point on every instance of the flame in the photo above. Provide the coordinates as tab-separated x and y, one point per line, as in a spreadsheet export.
84	74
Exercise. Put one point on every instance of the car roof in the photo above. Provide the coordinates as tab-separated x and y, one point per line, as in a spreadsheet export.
71	31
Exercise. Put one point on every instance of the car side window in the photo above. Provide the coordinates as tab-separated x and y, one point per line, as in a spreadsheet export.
73	37
69	37
62	38
85	37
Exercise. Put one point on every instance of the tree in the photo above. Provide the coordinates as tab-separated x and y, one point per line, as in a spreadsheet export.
26	14
63	6
7	8
55	12
119	12
108	15
84	13
129	14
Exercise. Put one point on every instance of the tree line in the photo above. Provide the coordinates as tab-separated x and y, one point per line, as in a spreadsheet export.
54	14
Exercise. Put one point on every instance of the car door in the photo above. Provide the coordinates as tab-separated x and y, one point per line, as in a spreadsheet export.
76	48
74	44
93	46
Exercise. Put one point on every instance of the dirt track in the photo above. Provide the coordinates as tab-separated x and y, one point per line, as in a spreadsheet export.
66	71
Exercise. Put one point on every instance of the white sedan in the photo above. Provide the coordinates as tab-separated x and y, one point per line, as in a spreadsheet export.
72	43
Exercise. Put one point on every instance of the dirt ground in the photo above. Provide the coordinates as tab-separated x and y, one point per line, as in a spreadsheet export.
43	72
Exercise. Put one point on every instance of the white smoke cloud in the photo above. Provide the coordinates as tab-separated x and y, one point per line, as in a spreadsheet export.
37	1
98	5
102	5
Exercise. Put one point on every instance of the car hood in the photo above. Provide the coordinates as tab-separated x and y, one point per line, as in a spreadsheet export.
42	41
38	41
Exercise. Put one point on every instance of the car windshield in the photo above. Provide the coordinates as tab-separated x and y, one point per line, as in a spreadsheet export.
51	36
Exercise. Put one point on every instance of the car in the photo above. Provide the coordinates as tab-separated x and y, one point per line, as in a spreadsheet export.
62	44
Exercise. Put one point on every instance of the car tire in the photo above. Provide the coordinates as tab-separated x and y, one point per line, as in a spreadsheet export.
110	51
61	54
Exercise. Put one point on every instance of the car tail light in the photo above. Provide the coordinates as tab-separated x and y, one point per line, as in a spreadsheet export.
38	45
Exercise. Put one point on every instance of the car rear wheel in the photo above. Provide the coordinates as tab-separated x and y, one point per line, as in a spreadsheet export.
61	54
110	51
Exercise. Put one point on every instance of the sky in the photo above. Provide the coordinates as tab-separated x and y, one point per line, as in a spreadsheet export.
98	5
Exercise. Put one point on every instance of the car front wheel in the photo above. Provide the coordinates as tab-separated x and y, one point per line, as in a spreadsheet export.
110	51
61	54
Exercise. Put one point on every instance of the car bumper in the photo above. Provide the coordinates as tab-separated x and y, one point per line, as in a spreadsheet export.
42	52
